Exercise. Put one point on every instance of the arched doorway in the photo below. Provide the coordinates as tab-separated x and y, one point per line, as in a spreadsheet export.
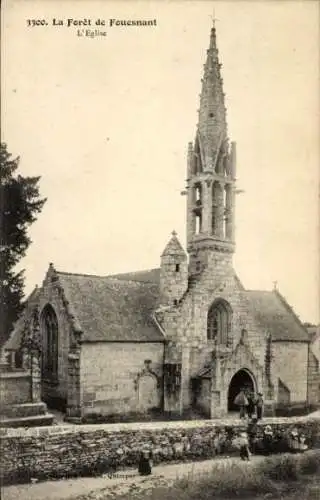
242	379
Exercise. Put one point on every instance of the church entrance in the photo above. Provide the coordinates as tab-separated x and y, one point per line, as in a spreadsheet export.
240	380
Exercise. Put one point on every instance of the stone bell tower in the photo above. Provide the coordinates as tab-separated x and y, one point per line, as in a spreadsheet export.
211	172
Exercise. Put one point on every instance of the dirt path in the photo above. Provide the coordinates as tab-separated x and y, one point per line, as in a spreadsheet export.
125	481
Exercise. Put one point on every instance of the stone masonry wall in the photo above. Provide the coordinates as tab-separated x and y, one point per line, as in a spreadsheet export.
15	388
189	325
69	451
313	379
290	361
110	386
186	324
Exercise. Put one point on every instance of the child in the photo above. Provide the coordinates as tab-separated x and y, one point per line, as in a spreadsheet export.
244	446
252	434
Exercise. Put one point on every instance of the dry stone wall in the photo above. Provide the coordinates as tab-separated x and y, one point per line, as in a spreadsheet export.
86	450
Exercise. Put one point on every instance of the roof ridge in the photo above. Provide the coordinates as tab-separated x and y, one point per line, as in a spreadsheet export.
111	278
82	274
108	277
141	271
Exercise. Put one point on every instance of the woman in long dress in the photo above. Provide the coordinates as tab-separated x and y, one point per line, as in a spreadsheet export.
145	462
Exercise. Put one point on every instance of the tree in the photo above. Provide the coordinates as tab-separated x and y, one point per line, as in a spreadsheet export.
20	203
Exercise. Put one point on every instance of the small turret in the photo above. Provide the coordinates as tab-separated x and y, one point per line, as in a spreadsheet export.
173	272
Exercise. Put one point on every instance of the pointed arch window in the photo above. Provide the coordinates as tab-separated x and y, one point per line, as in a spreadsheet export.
50	337
217	204
228	211
197	158
219	322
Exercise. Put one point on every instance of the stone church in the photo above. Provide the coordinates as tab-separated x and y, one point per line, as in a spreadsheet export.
185	335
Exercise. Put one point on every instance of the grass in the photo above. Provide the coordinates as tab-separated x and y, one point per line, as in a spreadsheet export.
283	476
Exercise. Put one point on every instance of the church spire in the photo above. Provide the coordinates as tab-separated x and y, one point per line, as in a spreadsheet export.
212	124
211	169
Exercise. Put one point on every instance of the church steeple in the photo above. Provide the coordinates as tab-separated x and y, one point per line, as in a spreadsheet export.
211	167
212	124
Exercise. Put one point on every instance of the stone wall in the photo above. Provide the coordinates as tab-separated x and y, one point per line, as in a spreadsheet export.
15	387
313	379
116	379
290	363
85	450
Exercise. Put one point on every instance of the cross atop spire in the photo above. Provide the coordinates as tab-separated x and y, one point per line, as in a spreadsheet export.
213	44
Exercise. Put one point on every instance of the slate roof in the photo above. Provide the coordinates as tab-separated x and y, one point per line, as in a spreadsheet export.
275	315
120	308
111	309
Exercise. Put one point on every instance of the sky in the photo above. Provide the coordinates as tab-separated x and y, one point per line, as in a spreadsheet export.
106	121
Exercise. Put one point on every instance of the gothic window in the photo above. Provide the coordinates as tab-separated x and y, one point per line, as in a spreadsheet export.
217	202
197	158
50	343
219	322
214	219
228	208
177	268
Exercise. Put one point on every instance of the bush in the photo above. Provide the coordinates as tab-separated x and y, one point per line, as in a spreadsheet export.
290	467
310	462
227	482
281	468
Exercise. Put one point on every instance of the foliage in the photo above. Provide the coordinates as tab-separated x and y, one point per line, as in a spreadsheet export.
20	204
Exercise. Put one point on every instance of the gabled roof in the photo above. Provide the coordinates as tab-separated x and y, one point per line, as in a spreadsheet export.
14	341
112	310
275	316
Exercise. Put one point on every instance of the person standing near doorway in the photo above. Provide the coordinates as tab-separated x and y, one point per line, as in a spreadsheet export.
259	405
251	404
241	400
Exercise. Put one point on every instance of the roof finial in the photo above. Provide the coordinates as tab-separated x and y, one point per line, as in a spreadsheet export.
275	285
174	233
